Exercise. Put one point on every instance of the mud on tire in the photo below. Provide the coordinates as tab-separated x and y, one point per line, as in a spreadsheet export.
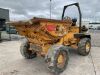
28	54
59	68
84	46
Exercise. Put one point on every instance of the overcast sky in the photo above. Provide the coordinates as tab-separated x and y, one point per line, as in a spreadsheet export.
25	9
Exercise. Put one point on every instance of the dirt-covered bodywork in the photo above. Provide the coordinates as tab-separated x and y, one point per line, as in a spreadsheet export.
51	38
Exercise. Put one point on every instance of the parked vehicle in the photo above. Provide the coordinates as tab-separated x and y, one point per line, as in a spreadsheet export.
11	30
52	38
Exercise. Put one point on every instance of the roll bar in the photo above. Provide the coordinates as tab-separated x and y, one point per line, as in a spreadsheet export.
80	14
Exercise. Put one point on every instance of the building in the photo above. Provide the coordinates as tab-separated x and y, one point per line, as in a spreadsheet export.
94	25
4	16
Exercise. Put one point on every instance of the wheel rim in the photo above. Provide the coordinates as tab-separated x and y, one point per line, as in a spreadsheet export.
61	60
88	47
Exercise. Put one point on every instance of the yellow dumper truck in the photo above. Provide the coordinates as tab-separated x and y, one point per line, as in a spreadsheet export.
51	39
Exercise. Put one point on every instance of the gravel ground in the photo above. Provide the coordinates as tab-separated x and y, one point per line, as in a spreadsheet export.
95	38
12	63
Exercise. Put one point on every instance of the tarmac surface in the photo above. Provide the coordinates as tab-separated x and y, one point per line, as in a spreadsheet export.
12	63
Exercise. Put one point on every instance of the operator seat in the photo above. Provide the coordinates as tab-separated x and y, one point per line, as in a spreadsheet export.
74	20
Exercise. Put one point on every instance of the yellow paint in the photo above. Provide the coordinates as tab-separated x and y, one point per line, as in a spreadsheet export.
37	34
60	59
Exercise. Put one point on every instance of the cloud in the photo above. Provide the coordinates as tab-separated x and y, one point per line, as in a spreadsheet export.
25	9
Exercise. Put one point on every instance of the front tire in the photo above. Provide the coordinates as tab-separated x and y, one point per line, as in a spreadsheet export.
25	52
60	62
84	46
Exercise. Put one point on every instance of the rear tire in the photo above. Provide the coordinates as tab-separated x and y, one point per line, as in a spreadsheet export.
84	46
28	54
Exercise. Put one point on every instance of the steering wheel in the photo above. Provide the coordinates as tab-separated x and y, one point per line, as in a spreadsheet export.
67	18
